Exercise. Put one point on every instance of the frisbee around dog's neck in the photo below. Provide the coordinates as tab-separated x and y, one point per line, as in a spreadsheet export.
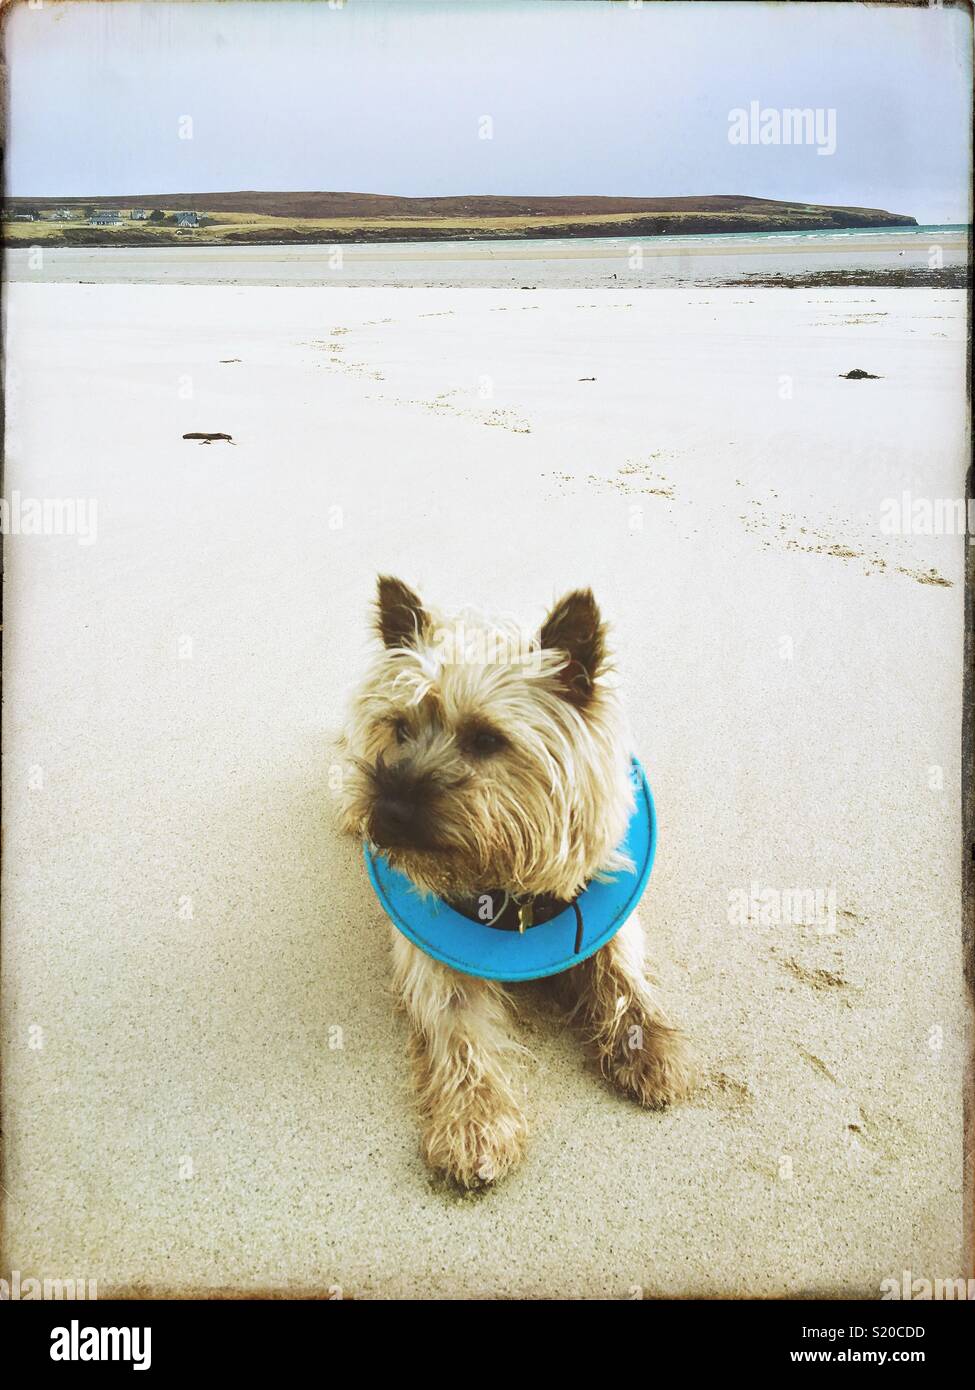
497	937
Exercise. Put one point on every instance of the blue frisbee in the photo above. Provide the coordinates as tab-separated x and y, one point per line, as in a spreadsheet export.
546	947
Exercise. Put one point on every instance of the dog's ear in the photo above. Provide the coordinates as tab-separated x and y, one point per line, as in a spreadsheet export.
575	626
401	619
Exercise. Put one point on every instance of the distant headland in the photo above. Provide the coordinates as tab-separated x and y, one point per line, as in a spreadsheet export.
256	218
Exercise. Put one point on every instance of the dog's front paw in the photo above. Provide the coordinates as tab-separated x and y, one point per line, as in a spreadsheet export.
475	1149
652	1064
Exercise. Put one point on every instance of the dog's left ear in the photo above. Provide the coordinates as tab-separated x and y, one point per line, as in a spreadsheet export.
575	626
401	618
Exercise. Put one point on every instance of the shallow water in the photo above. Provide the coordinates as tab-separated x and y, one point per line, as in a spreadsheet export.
608	262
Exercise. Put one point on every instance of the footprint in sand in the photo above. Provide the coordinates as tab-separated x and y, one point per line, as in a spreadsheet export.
786	532
630	479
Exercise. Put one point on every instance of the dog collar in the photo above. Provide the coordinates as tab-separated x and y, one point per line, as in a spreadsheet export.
527	938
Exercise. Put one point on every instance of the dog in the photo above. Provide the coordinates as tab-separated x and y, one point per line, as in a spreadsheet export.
474	758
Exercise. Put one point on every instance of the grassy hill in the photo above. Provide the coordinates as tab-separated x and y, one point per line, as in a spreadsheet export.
274	218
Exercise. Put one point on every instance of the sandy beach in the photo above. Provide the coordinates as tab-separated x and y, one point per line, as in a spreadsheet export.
205	1085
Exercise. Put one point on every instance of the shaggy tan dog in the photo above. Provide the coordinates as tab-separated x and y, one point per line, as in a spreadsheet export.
479	758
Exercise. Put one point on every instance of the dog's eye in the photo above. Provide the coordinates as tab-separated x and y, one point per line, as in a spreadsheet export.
401	730
484	742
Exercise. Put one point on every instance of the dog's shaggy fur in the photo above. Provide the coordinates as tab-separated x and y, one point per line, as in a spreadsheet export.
479	760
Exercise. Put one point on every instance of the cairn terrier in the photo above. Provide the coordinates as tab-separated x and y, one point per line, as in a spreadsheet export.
476	758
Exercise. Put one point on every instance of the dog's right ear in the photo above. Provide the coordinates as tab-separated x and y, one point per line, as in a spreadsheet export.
401	619
575	627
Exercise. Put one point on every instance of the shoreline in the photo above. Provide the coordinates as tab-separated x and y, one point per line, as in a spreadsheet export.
886	258
384	236
648	229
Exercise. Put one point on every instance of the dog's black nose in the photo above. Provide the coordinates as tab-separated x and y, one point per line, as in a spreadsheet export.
395	822
395	811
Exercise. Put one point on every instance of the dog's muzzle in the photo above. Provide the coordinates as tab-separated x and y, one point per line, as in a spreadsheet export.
401	814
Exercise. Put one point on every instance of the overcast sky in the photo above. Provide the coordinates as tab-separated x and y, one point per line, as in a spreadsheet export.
585	96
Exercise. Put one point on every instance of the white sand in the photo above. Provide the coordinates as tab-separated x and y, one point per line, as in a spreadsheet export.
827	1153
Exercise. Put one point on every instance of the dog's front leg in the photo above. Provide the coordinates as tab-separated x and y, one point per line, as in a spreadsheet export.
638	1048
465	1067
